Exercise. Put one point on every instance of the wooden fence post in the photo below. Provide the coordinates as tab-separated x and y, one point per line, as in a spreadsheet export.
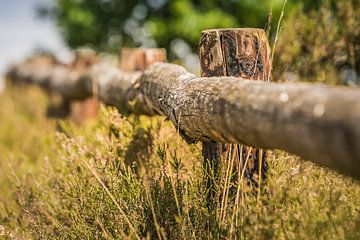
137	59
88	108
240	52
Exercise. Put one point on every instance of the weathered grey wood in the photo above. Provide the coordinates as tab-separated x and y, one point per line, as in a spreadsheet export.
25	72
43	71
120	89
132	62
317	122
70	83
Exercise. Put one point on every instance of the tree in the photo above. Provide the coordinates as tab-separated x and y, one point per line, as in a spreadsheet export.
110	24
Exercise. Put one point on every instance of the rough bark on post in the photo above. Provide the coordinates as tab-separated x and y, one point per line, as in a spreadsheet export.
316	122
241	53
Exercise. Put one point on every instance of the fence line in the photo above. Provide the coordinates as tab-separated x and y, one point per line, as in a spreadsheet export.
319	123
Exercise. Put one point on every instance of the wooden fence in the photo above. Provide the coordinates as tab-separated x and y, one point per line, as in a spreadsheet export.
316	122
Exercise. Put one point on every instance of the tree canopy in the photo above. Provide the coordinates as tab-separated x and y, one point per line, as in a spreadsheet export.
109	24
324	33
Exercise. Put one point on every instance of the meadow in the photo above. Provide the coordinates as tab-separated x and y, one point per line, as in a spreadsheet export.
129	177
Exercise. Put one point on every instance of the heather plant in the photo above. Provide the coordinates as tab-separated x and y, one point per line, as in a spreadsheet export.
321	45
92	182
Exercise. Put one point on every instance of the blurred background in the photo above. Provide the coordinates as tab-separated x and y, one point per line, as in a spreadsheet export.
22	32
317	40
48	183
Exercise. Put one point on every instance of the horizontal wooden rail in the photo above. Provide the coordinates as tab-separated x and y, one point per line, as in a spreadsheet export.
319	123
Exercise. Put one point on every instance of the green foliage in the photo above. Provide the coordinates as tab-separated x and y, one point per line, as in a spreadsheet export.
319	40
108	25
321	46
36	133
122	177
85	190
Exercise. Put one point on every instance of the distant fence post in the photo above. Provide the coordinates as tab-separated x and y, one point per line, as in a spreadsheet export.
137	59
88	108
241	53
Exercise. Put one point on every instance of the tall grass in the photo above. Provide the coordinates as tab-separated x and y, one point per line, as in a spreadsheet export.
119	177
322	45
278	28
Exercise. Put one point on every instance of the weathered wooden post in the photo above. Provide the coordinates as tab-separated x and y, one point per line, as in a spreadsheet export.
137	59
80	110
240	52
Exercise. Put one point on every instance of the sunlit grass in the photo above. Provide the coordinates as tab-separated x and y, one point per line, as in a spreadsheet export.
118	177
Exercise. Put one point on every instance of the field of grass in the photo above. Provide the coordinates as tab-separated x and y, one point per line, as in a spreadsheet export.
124	177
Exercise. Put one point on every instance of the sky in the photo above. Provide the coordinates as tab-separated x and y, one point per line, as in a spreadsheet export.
21	32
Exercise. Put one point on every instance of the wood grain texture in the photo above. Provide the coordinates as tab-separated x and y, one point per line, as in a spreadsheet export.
120	89
319	123
240	52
